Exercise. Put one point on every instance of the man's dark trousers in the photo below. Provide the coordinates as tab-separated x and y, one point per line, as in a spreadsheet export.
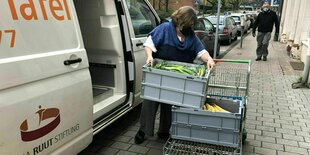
262	44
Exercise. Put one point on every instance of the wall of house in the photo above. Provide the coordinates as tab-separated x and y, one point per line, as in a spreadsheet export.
173	4
295	26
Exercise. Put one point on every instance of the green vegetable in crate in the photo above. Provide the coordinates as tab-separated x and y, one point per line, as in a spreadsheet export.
180	69
195	71
201	70
160	65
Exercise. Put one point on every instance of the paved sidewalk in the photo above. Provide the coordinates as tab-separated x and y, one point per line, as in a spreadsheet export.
278	121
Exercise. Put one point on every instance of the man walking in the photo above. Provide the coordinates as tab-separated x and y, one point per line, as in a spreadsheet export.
264	22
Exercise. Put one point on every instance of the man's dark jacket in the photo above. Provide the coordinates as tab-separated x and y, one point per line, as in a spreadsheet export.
265	21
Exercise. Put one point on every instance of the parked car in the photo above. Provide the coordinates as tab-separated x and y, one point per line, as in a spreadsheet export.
205	31
241	18
227	28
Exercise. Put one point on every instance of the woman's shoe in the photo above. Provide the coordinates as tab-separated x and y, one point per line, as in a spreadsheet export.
139	138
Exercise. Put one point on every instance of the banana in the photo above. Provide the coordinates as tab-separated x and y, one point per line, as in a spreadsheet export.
204	107
214	108
220	109
210	108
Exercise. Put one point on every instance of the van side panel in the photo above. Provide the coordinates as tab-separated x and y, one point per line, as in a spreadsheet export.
45	103
22	103
36	48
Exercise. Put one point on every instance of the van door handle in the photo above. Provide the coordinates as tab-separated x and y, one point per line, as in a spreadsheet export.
139	44
69	62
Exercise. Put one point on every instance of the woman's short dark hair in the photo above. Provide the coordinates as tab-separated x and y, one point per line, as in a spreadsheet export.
184	17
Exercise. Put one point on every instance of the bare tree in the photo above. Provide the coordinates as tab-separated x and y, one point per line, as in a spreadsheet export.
235	3
213	3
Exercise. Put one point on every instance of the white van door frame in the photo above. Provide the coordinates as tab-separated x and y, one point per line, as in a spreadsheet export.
135	43
126	106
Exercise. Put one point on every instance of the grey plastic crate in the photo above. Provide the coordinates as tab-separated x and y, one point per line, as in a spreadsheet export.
209	127
174	88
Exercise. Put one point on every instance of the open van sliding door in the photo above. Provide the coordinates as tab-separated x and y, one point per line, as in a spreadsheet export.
143	19
103	36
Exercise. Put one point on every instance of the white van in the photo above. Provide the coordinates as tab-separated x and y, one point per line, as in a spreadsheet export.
68	68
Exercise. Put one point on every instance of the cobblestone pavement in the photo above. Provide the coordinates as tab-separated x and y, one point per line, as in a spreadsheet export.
278	121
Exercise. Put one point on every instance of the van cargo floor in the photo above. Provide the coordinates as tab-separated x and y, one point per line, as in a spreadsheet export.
101	93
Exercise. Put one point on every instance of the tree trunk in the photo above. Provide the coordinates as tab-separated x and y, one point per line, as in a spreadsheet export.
237	6
167	3
154	4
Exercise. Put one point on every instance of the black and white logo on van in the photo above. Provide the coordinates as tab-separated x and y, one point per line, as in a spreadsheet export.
47	120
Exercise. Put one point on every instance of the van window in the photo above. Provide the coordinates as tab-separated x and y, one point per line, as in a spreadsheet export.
142	18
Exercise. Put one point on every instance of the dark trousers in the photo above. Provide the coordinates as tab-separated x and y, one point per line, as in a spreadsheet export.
262	43
148	116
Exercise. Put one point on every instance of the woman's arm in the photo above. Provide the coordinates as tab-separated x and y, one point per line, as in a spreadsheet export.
149	56
149	48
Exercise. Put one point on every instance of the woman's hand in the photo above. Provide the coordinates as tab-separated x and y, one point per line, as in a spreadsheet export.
210	64
149	56
208	59
149	60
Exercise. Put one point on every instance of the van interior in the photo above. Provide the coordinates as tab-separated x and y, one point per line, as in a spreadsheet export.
101	35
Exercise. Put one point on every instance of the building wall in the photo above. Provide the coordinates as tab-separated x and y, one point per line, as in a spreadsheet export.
283	17
300	23
288	18
295	23
173	4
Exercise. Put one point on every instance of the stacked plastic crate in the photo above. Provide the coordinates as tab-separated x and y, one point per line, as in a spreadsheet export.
188	95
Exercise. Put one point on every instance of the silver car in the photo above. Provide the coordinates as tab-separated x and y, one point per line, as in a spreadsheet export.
241	17
227	28
205	31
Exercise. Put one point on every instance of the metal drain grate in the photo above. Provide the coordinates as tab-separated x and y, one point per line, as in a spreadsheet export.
181	147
